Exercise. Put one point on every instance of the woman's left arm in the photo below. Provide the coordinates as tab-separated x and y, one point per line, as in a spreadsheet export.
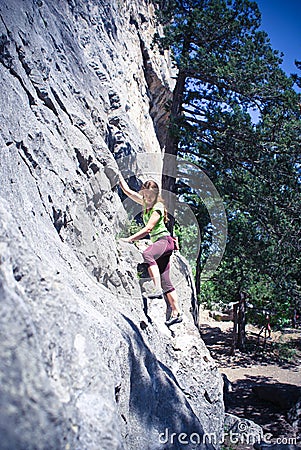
145	230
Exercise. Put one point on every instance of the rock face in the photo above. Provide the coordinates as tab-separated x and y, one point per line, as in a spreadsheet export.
85	362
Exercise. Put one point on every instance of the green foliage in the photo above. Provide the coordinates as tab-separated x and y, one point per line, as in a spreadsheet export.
227	73
285	351
188	242
130	227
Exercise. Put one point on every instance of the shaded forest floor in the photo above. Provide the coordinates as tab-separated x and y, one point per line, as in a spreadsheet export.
277	362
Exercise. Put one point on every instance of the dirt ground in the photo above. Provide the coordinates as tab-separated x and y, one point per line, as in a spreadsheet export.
277	361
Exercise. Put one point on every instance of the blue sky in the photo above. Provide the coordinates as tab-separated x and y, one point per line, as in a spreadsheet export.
281	19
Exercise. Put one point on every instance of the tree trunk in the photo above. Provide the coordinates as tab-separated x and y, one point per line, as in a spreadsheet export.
241	341
239	323
198	274
169	172
234	333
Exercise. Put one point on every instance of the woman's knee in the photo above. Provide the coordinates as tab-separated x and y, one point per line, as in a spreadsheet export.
166	282
148	258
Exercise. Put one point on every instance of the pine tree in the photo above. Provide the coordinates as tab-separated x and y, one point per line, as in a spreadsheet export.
235	112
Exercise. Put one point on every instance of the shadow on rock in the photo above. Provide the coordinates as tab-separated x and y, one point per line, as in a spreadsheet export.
157	399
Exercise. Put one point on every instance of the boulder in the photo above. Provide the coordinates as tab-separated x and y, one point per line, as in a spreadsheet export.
294	415
281	394
244	431
84	364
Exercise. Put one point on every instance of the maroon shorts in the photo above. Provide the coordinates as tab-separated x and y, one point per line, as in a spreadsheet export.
159	253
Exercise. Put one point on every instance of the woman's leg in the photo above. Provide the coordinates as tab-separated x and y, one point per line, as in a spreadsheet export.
154	273
167	286
172	298
158	256
150	256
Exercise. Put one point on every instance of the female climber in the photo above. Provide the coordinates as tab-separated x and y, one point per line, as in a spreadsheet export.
157	255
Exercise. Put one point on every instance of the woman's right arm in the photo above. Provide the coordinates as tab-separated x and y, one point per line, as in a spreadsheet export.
129	192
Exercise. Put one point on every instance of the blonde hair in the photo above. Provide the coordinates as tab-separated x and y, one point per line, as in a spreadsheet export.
151	185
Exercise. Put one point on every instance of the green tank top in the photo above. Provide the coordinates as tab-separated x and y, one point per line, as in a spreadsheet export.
159	229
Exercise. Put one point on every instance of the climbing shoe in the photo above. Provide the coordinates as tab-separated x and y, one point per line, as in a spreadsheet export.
174	319
158	293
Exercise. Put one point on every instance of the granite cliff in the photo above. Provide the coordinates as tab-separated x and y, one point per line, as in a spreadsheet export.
85	362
